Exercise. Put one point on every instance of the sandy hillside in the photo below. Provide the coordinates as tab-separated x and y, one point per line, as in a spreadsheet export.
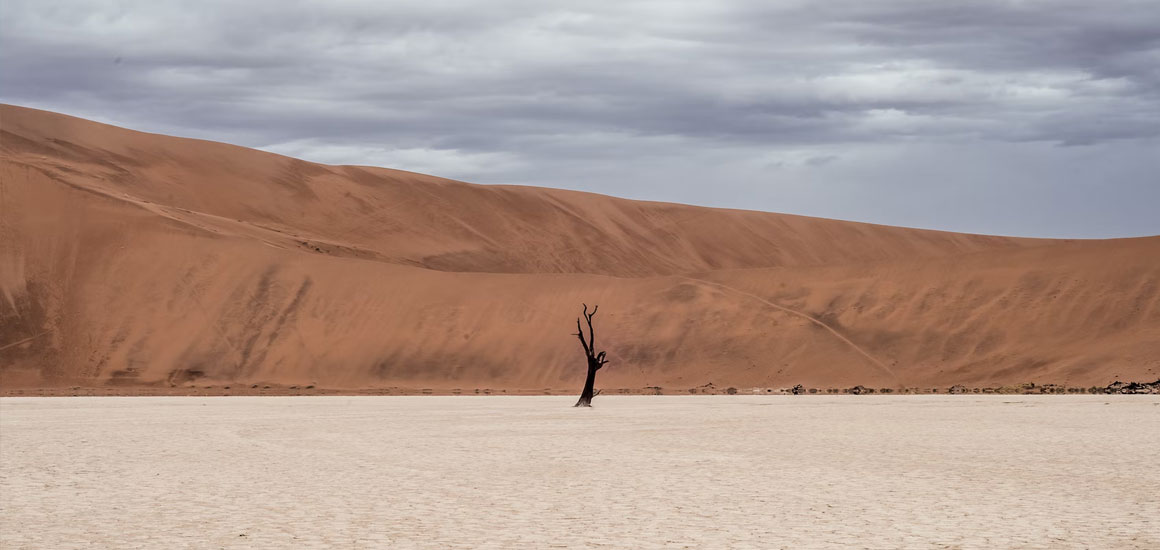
137	260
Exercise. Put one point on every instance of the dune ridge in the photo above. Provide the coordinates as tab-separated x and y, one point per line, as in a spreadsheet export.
135	260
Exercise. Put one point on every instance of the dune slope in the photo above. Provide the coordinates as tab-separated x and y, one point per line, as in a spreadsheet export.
145	261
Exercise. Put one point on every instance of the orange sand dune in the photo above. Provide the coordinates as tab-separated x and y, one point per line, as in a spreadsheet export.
144	261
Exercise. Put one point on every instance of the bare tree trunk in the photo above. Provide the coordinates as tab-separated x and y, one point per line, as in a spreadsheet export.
586	395
595	360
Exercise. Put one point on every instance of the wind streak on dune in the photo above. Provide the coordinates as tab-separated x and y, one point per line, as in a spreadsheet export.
874	361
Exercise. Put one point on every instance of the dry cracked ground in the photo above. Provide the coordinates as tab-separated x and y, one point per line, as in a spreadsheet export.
532	472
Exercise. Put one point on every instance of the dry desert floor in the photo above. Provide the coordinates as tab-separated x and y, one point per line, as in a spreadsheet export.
532	472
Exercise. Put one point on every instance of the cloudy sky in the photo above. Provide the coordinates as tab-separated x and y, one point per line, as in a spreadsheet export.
1038	118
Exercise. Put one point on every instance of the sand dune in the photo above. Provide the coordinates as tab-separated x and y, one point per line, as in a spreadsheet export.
136	260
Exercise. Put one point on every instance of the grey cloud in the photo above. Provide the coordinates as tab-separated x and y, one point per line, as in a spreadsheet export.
791	106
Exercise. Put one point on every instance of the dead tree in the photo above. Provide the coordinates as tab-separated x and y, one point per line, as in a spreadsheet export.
595	360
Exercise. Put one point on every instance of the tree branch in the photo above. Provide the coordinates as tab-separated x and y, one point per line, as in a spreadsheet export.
591	332
580	335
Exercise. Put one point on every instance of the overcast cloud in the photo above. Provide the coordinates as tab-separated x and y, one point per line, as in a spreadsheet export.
1023	117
